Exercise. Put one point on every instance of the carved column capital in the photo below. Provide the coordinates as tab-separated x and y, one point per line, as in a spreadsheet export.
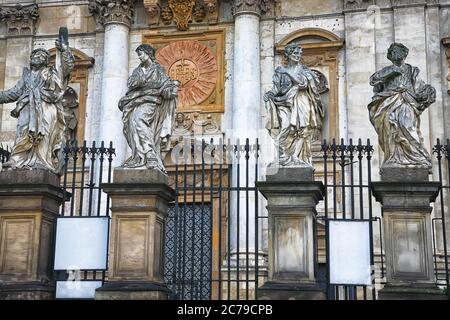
258	7
112	11
358	4
20	19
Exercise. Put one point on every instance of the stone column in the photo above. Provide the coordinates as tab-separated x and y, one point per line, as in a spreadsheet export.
116	17
405	195
139	206
245	124
29	206
292	196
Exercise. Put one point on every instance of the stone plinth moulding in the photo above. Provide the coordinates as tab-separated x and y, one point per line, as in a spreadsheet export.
292	196
29	206
139	206
405	195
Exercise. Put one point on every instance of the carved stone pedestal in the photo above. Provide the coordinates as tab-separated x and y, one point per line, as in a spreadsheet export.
139	205
29	206
405	195
292	196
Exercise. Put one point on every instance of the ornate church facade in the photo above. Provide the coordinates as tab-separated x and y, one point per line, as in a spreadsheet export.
224	53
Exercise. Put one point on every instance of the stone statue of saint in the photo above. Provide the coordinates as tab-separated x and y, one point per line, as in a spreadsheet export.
294	109
400	98
41	128
148	110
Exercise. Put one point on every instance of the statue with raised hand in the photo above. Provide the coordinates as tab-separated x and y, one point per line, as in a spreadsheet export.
399	100
41	125
148	111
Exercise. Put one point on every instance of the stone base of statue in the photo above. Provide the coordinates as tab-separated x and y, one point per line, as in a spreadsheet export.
29	206
405	195
292	196
139	205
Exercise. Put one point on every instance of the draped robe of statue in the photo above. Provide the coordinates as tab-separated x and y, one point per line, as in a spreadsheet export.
41	126
295	111
395	113
148	111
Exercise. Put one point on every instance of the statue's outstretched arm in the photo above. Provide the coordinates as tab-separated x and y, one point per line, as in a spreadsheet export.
65	60
12	94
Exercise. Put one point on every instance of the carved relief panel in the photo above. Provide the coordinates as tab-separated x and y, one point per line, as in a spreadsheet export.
181	13
197	61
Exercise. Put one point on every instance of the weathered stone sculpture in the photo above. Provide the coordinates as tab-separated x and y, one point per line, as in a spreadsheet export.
294	109
400	98
41	129
148	109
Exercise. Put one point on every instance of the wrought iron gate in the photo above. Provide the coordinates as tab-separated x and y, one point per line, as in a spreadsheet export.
212	233
216	230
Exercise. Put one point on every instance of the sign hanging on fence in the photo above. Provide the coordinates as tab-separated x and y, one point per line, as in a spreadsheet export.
81	243
349	252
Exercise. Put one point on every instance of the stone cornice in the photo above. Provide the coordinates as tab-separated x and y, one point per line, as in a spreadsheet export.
256	7
112	11
20	19
351	6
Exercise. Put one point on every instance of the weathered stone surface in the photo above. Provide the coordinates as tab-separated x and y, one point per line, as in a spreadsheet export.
411	293
292	207
122	175
407	234
129	290
292	174
291	291
27	291
29	177
139	206
403	174
29	206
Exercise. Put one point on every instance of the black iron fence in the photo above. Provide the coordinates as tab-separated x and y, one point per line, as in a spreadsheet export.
4	154
441	217
347	173
212	243
216	229
85	168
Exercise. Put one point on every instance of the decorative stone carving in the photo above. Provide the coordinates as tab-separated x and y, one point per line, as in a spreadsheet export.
399	100
358	4
182	12
194	65
112	11
196	123
259	7
446	43
41	130
211	10
148	109
294	109
20	19
154	11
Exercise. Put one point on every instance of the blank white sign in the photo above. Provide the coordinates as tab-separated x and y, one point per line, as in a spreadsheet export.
76	289
349	252
81	243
